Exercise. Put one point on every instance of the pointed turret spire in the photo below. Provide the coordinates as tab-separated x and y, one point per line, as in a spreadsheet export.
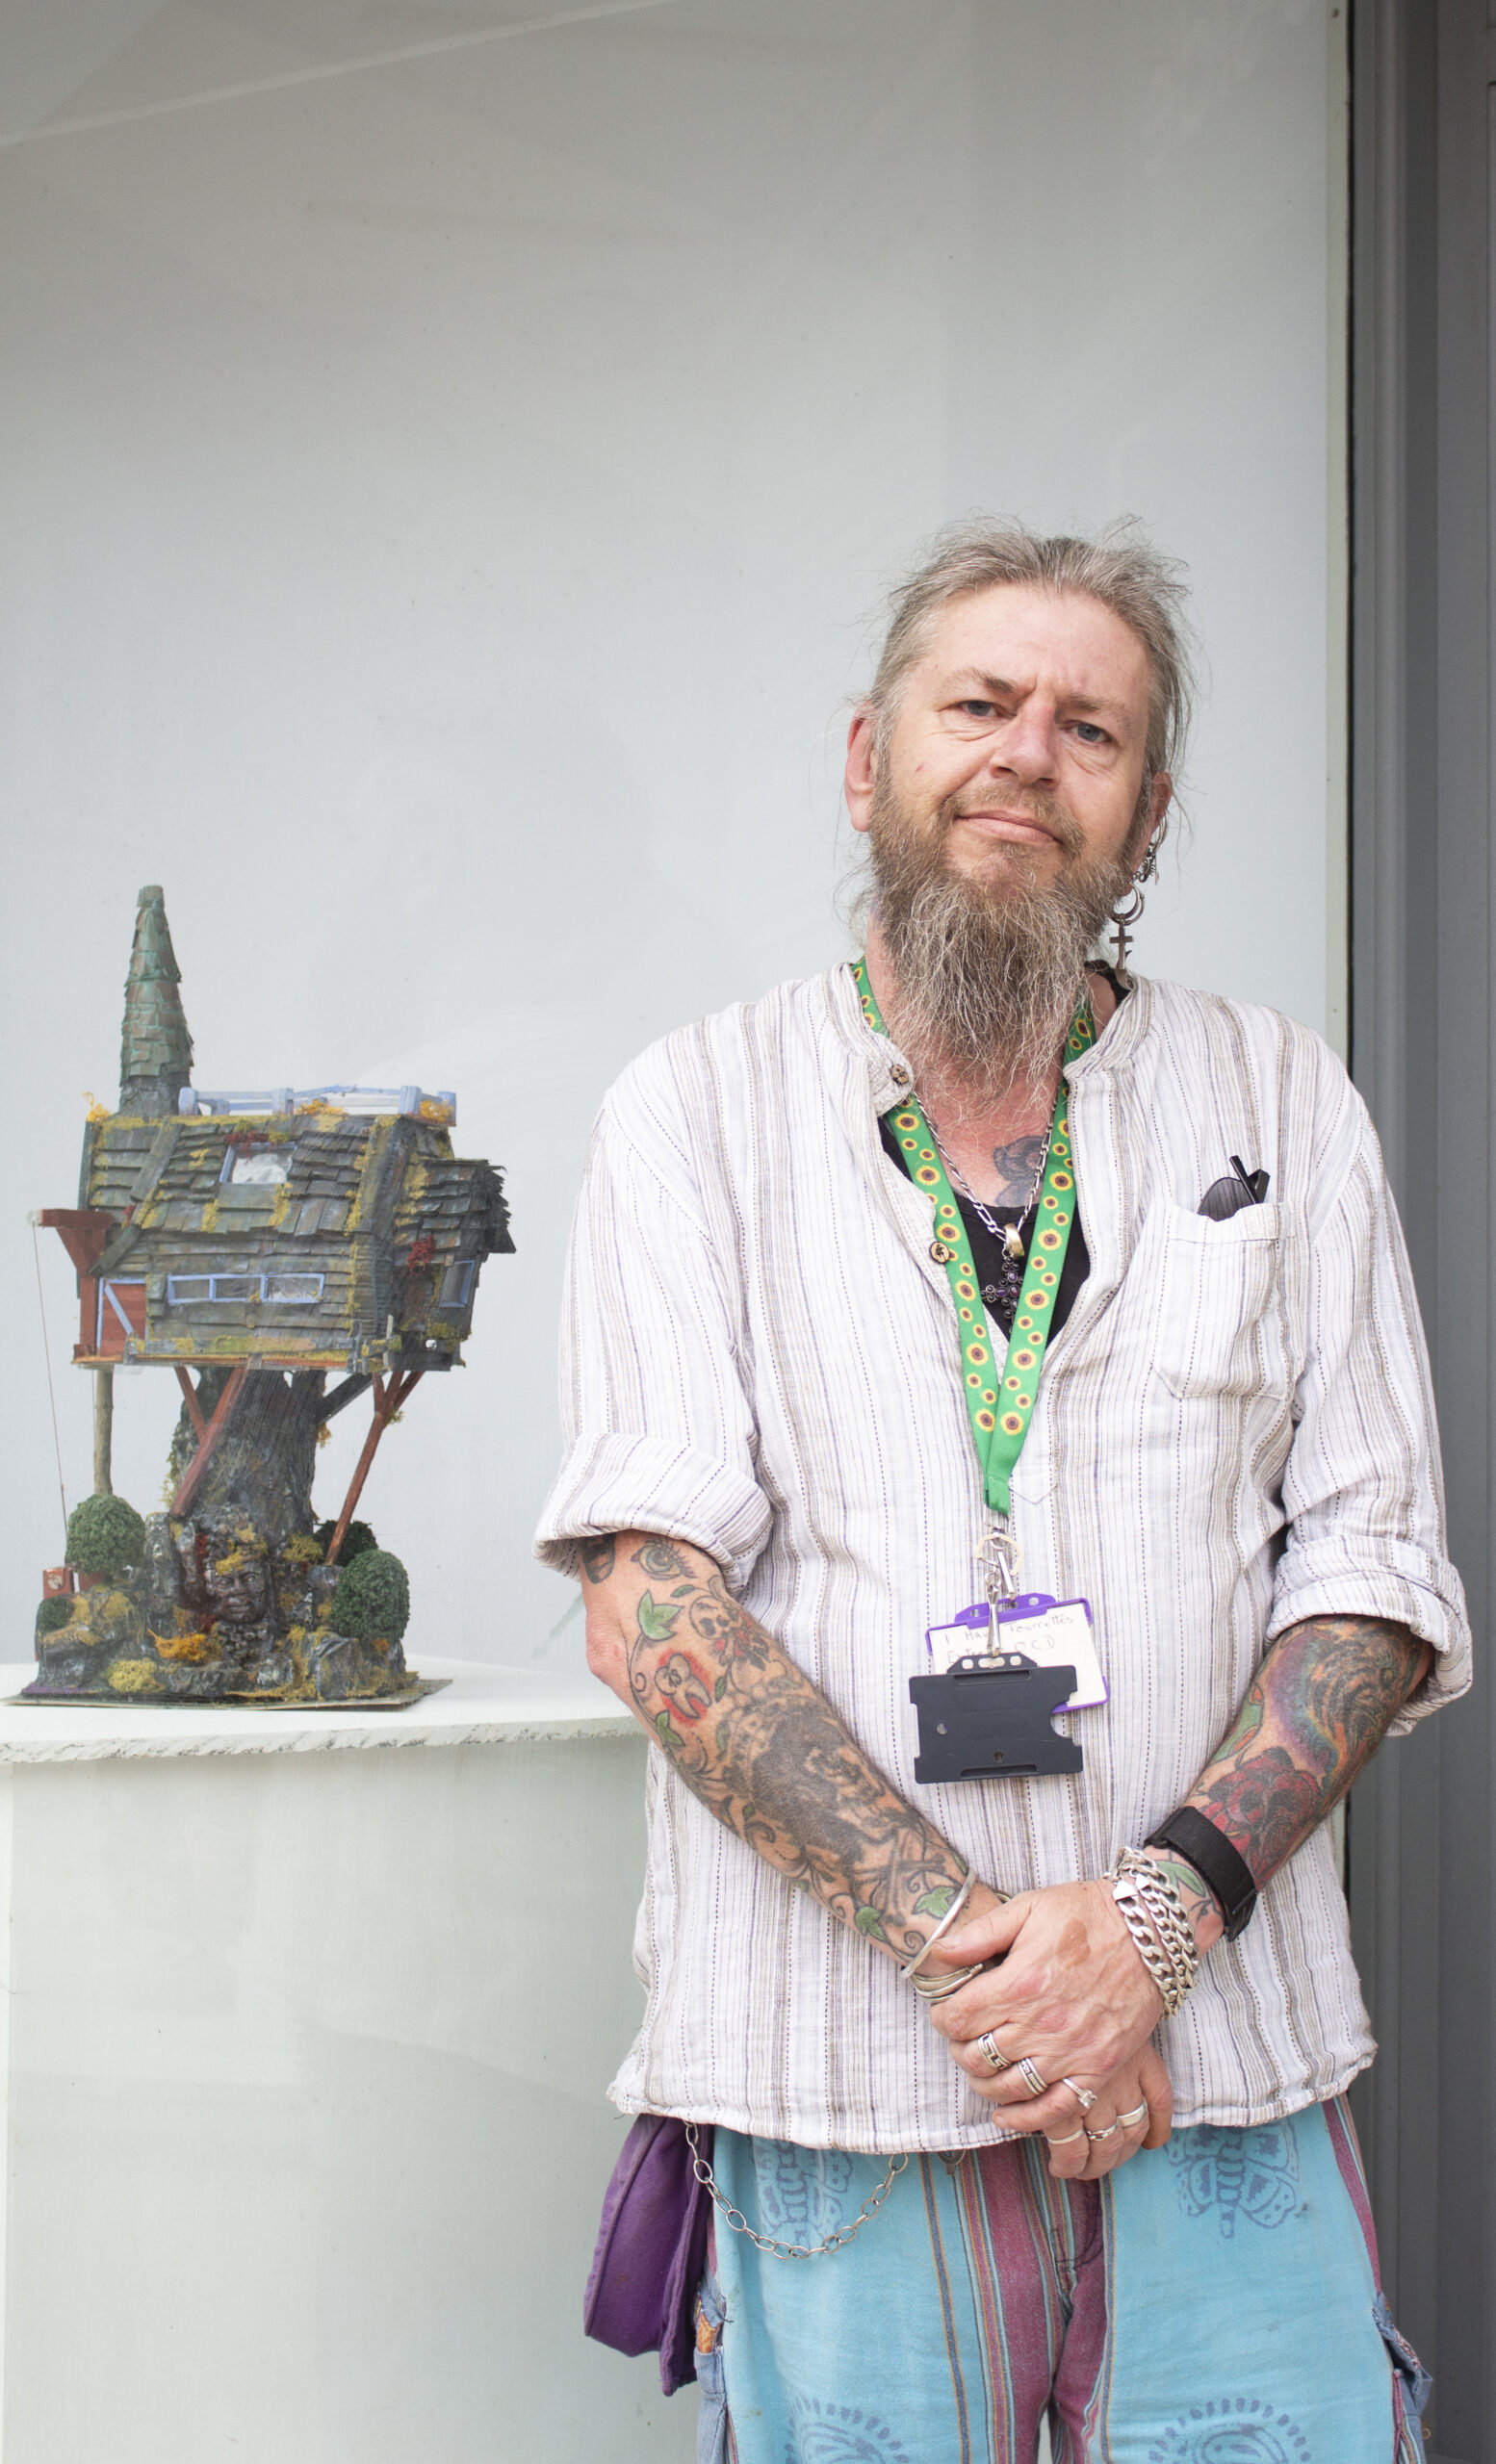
156	1052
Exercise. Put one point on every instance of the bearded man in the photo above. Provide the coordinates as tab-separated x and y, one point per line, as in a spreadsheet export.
1029	2043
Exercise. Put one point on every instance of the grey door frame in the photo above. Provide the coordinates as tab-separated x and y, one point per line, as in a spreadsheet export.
1422	1823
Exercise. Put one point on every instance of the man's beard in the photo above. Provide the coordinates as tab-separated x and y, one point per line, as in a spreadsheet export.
988	964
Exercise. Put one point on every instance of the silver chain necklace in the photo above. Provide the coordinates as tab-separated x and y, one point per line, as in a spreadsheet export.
1008	1236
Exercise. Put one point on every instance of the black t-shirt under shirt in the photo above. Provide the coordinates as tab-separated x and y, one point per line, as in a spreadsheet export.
987	1253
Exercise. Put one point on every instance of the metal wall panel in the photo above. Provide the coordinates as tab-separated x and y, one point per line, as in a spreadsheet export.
1422	1822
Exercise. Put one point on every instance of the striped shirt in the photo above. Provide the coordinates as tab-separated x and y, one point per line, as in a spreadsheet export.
1234	1431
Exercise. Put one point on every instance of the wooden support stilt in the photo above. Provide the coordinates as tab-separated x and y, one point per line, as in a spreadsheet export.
103	1431
207	1444
340	1398
387	1401
190	1399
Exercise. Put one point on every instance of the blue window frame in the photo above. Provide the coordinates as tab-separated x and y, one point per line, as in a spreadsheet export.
278	1291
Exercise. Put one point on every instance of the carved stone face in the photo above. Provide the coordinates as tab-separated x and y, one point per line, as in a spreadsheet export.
236	1580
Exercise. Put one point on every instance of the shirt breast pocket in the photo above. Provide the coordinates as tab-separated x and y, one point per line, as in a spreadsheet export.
1218	1328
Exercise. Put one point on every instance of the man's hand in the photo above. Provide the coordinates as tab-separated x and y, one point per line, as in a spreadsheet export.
1072	1996
1132	2111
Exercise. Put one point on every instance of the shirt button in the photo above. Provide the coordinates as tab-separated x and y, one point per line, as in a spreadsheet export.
899	1074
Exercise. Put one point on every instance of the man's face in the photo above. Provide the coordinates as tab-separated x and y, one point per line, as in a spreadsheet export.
1018	741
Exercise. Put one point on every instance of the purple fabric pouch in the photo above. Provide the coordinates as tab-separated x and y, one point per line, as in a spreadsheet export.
652	2249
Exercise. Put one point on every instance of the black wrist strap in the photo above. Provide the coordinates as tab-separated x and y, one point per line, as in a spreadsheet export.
1221	1867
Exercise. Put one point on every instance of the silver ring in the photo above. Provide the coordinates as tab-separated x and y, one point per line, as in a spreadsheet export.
1130	2121
1065	2141
1110	2132
991	2052
1085	2098
1037	2085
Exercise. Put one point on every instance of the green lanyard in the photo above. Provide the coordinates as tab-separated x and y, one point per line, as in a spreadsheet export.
999	1410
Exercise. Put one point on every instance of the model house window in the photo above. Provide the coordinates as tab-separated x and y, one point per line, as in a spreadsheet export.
293	1289
456	1284
256	1164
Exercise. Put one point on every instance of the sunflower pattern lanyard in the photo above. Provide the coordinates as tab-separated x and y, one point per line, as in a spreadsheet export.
999	1408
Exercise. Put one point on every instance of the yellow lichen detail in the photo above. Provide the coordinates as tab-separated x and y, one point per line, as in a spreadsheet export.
192	1646
303	1549
432	1110
96	1110
133	1677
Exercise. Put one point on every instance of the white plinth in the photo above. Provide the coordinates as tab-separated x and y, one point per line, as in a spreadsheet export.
308	2020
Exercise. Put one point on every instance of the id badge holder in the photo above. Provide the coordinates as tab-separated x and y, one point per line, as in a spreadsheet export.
991	1717
998	1675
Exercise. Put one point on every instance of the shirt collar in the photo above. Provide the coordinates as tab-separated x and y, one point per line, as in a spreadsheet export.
891	1077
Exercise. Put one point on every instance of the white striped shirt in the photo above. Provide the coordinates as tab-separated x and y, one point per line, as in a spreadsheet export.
1234	1431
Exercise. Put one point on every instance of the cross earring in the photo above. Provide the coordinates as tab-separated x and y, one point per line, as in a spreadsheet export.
1121	938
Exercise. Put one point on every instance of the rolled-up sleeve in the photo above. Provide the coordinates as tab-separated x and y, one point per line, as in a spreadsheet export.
659	1432
1363	1488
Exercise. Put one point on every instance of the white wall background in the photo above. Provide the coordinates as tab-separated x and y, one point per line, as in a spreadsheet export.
447	466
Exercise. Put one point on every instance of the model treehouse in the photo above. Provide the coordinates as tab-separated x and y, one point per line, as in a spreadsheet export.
283	1255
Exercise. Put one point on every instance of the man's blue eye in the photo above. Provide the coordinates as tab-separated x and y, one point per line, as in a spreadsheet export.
1088	733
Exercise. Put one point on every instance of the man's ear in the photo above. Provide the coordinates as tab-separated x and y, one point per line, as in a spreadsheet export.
858	777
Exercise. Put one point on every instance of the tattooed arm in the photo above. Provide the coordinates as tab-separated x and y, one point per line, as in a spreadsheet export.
760	1744
1317	1711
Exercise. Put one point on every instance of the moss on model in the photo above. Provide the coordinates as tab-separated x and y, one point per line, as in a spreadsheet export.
105	1536
373	1598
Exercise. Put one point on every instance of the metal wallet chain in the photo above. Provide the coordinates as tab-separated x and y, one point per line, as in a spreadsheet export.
734	2219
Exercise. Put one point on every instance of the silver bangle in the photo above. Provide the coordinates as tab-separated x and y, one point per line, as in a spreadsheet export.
967	1887
939	1988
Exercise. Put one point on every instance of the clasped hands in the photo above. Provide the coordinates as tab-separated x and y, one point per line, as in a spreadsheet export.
1073	2001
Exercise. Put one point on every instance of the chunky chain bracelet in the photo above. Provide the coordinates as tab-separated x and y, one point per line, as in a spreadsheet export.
1155	1916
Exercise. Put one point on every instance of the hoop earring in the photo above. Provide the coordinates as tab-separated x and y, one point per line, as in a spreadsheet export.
1124	917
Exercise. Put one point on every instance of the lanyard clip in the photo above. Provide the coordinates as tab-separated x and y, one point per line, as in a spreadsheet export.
998	1562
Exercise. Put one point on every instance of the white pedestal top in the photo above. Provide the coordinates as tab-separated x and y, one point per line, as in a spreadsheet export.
482	1705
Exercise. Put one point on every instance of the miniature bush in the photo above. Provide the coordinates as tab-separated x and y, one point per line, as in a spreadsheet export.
54	1613
373	1598
356	1540
104	1536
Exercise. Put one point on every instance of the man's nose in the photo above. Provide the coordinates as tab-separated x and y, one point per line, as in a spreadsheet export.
1028	746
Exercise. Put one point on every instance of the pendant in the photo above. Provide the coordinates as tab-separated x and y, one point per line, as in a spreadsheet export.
1012	1244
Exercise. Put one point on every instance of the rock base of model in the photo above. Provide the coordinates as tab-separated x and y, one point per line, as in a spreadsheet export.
216	1613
